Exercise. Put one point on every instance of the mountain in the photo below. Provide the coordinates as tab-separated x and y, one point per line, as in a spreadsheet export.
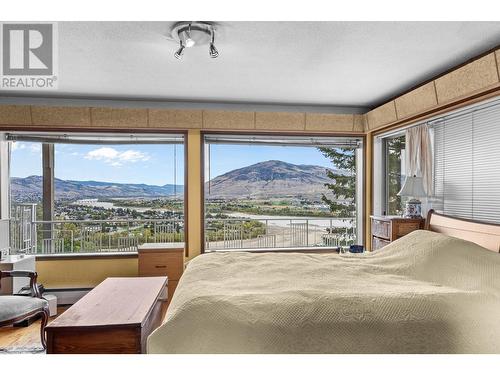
271	178
30	188
267	179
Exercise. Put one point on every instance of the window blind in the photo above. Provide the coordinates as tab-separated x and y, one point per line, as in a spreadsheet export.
95	138
284	140
467	164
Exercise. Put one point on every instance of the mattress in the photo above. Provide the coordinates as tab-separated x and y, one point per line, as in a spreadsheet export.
424	293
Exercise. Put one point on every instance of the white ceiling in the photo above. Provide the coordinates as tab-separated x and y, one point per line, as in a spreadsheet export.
358	64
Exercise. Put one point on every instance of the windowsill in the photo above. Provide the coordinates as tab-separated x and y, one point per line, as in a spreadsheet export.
101	255
278	250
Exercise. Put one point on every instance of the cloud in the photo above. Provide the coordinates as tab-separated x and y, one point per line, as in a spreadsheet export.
17	146
32	147
35	147
116	158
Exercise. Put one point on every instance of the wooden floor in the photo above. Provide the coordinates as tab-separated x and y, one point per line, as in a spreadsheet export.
28	337
23	337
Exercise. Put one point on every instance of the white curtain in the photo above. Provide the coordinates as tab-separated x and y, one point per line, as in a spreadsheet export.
419	155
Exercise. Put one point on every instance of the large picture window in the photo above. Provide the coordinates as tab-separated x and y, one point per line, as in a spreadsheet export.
282	191
465	174
95	193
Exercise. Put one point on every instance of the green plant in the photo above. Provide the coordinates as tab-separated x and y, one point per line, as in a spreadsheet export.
394	146
342	197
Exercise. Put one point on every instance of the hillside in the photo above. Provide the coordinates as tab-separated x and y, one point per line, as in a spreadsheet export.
268	179
30	188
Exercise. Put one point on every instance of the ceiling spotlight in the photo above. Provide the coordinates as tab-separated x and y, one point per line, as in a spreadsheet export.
193	34
188	41
212	51
178	54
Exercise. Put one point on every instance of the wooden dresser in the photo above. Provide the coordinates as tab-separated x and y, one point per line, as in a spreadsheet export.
385	229
162	259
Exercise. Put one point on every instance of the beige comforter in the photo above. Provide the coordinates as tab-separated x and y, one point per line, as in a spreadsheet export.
425	293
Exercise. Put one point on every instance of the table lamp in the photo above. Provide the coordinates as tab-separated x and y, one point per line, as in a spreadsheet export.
414	189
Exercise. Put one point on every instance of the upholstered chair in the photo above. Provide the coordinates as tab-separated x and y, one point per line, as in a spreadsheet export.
16	308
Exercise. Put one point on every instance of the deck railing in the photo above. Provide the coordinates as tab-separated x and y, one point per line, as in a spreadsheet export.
93	236
32	236
275	232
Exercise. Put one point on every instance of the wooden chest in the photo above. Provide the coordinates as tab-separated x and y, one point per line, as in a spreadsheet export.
115	317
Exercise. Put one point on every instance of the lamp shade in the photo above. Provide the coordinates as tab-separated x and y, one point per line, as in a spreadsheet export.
413	187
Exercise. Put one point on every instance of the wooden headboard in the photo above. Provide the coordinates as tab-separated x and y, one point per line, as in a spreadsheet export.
485	235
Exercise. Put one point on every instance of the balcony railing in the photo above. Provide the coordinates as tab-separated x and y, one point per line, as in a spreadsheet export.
92	236
272	232
125	235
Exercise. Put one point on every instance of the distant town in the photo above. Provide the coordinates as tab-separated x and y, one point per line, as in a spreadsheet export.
115	209
268	204
271	188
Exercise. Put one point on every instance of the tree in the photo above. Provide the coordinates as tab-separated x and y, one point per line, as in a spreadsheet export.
395	146
342	197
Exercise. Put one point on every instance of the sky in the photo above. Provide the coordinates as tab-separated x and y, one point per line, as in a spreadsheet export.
136	164
225	158
148	164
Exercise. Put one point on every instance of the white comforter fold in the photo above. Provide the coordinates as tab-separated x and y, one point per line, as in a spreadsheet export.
425	293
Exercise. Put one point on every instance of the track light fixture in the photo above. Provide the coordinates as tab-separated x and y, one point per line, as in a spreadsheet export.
193	34
178	54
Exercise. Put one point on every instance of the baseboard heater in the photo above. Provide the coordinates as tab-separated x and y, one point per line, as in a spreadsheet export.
68	296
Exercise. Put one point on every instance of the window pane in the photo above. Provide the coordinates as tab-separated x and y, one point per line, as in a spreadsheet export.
280	194
107	197
26	176
466	170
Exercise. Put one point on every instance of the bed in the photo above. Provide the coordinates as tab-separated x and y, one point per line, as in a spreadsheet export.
432	291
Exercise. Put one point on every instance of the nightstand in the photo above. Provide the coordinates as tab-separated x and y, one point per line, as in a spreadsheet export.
162	259
385	229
